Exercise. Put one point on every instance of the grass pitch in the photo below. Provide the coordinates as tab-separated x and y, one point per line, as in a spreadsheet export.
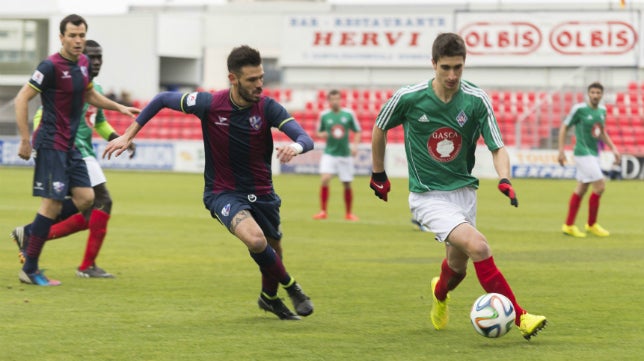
187	290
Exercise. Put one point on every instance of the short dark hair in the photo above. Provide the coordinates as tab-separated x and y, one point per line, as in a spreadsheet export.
448	44
74	19
597	85
332	92
92	44
242	56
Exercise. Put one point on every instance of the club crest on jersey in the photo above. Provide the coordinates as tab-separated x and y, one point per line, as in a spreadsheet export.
226	210
84	70
58	186
461	118
255	122
444	144
38	77
191	99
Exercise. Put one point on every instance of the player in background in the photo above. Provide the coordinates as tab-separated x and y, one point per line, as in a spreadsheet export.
97	217
589	120
443	118
238	145
65	84
334	126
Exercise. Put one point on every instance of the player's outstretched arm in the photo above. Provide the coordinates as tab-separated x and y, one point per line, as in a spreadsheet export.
120	144
302	142
101	101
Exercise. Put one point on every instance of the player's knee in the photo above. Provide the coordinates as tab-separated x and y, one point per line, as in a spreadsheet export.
480	250
256	244
84	201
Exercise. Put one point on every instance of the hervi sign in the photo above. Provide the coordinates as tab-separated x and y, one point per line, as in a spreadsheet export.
361	40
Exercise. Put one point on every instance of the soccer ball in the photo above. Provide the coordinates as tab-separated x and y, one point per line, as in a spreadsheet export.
492	315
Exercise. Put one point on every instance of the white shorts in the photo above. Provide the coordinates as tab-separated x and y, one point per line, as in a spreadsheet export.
588	168
96	175
442	211
342	166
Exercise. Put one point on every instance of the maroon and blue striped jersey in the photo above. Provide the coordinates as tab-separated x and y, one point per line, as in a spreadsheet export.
238	142
62	84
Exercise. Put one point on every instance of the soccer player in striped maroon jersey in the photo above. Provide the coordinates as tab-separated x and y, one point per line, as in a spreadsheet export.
236	125
64	83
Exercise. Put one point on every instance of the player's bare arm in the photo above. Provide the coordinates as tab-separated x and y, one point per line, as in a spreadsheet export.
561	142
501	161
378	144
21	103
609	142
101	101
357	137
122	143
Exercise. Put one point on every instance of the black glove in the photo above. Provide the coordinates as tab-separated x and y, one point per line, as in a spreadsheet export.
506	188
380	185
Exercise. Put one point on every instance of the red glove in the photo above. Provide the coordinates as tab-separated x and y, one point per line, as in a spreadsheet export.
380	185
506	188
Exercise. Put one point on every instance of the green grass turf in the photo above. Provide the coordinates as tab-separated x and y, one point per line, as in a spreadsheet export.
187	290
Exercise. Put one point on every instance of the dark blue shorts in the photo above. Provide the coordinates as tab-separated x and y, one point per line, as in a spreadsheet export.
264	209
56	172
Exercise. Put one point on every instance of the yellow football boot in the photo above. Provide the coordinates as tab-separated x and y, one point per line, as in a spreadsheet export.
597	230
531	324
572	231
440	313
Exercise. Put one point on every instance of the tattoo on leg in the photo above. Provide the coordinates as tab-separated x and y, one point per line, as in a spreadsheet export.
239	217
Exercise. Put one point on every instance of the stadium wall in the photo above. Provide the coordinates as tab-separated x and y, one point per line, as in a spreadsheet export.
137	43
188	156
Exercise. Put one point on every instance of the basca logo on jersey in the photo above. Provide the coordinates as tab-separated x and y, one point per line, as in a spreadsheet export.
337	131
596	130
444	144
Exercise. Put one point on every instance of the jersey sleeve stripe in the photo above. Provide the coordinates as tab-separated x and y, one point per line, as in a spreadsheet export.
572	112
491	119
385	114
181	102
284	122
35	88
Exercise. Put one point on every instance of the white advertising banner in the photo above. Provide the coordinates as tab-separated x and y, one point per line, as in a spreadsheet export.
581	38
361	40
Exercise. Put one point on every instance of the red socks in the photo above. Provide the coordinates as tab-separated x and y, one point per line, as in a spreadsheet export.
573	207
348	200
492	280
593	207
68	226
447	281
97	230
324	197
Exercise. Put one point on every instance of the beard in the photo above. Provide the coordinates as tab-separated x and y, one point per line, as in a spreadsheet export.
246	95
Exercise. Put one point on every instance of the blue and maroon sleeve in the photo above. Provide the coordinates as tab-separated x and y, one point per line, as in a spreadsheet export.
43	76
282	120
170	100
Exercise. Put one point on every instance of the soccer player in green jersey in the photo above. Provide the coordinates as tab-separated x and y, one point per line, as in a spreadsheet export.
334	126
589	120
442	120
95	218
